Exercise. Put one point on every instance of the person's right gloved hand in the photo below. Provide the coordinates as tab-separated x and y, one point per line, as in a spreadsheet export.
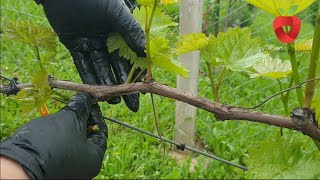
83	27
59	146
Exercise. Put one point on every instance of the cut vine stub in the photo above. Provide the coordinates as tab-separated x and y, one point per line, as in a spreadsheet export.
304	117
291	21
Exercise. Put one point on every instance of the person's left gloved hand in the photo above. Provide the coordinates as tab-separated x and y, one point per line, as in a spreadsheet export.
58	145
83	26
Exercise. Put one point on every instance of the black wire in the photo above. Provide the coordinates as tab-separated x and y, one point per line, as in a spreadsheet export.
5	77
278	93
179	145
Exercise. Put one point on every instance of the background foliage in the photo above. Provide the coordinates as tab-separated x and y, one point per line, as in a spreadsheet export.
133	155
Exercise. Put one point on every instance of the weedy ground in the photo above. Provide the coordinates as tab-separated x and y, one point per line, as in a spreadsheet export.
134	155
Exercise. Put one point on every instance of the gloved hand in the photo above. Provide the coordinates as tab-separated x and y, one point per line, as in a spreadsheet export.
83	27
58	145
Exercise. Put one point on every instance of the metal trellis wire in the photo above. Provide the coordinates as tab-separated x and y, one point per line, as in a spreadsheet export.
179	146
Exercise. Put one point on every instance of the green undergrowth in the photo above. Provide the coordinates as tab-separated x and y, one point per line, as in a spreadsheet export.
134	155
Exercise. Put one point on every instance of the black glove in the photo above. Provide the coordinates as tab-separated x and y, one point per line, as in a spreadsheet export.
58	145
83	27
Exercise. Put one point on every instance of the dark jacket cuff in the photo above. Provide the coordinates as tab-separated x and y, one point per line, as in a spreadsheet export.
23	157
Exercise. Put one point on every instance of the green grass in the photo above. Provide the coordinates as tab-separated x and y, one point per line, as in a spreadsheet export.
134	155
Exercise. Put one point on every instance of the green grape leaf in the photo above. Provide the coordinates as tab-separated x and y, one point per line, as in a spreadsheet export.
145	2
208	52
282	11
40	80
41	84
293	9
117	42
34	98
191	42
282	7
272	68
165	2
34	35
159	48
160	24
304	45
27	101
49	57
235	49
285	158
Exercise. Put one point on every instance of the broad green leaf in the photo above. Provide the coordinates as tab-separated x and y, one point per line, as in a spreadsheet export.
150	3
160	24
146	2
49	57
285	158
272	68
27	101
40	80
116	42
32	99
191	42
245	62
304	45
34	35
169	1
159	48
282	7
293	9
235	49
41	84
208	52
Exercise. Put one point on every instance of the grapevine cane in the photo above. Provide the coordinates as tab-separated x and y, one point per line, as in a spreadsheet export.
180	146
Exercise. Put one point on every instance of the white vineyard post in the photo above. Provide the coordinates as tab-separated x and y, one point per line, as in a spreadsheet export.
185	116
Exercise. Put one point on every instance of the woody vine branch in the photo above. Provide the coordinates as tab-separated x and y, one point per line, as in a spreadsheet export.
302	120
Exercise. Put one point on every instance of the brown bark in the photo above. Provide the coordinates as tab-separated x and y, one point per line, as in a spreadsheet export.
306	124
